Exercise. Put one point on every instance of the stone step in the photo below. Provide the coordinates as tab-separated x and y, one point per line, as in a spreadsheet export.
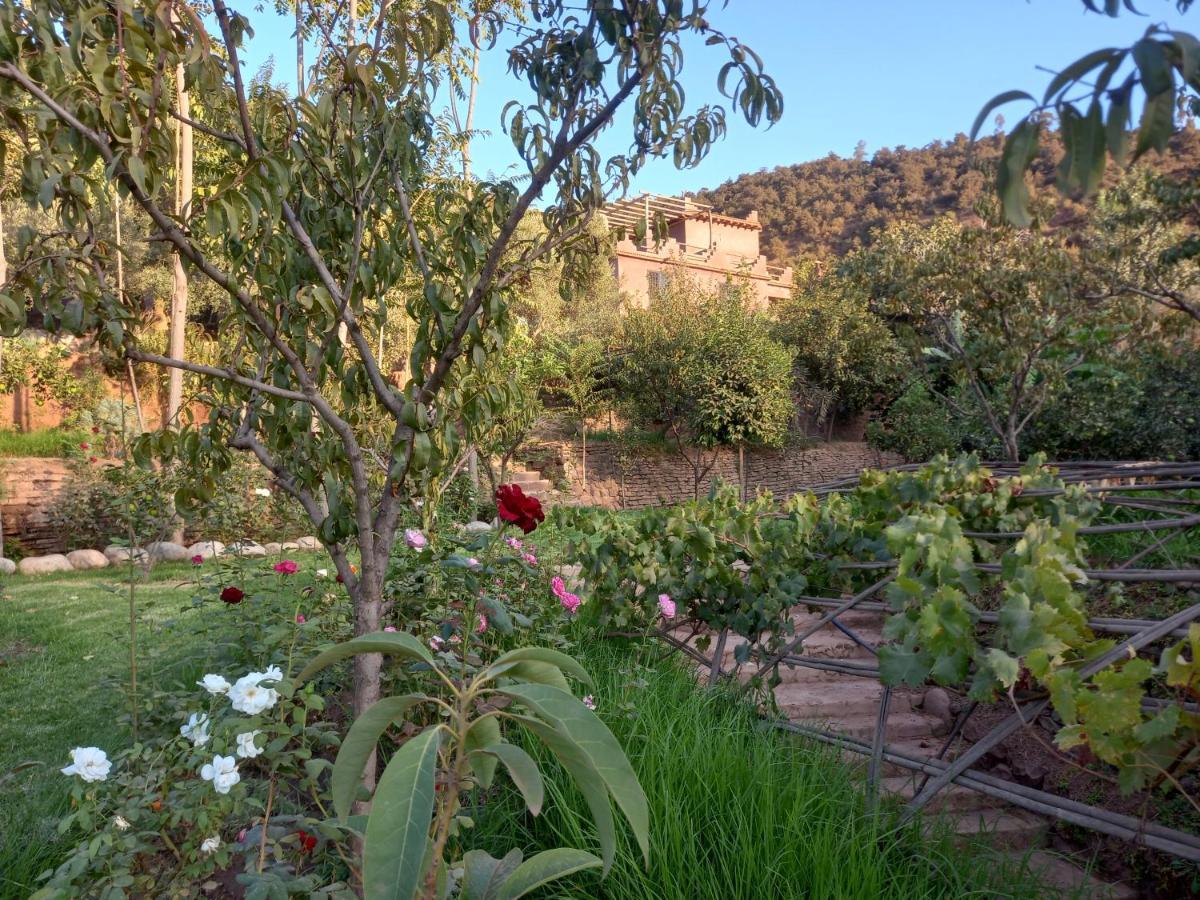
1064	875
1002	829
836	701
522	476
952	798
901	726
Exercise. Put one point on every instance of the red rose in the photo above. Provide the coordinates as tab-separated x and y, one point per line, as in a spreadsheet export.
83	445
307	841
233	595
518	508
95	429
93	459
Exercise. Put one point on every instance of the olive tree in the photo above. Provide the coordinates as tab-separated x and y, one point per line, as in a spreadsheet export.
310	222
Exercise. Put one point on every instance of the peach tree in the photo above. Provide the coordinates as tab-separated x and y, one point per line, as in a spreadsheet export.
324	210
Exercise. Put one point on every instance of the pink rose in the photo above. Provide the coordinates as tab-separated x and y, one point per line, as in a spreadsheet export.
513	542
482	626
390	628
569	601
415	539
529	558
589	701
666	606
197	560
286	567
300	619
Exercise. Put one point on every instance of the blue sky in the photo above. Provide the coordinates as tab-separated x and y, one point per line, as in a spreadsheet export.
888	72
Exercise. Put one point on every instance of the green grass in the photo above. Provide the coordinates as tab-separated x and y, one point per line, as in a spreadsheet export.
49	442
64	645
737	811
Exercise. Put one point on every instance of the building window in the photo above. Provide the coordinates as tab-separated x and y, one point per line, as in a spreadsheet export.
657	281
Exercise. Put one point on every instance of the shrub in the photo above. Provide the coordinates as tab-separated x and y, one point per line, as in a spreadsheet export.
917	426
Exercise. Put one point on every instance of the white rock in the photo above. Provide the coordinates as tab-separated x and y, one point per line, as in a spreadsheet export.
44	565
247	549
206	549
273	548
290	545
308	542
477	527
116	554
87	559
166	551
7	566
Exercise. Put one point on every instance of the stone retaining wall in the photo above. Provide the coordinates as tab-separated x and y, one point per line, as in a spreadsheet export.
30	484
618	478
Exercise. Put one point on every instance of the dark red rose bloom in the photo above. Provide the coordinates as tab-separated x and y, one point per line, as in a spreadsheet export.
233	595
518	508
307	841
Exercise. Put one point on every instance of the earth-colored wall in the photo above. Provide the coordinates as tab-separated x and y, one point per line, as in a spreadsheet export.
618	479
29	486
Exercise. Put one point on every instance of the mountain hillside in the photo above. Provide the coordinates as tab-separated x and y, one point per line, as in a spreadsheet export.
828	206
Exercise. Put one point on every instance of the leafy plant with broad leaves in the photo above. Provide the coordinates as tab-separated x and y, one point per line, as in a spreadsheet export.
416	809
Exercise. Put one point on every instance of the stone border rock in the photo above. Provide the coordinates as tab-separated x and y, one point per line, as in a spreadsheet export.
154	552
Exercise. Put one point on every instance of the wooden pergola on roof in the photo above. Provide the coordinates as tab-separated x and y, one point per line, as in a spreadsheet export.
648	207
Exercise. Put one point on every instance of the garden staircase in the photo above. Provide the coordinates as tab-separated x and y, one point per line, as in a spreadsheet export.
531	482
849	705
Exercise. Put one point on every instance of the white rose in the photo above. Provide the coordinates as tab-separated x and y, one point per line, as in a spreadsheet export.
322	573
273	673
262	492
120	823
89	763
196	729
214	684
248	697
222	772
245	744
210	845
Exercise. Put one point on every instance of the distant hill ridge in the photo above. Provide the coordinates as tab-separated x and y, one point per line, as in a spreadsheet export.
829	206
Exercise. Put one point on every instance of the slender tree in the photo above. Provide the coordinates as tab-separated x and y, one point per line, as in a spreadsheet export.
311	221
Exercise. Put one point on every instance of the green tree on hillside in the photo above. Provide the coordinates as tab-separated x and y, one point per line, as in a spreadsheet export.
702	368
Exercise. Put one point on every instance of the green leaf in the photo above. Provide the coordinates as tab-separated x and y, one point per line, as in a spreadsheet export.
484	875
996	102
542	654
1019	151
545	867
358	745
1156	125
568	715
580	767
396	643
1117	127
1077	70
539	673
483	733
1006	668
1150	56
1082	166
523	771
900	665
398	828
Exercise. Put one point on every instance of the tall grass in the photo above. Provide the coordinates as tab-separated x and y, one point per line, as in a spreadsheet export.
736	811
45	443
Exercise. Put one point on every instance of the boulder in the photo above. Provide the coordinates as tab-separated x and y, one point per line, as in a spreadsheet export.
936	703
477	527
44	565
307	543
247	548
116	554
167	551
274	548
290	545
7	566
87	559
206	549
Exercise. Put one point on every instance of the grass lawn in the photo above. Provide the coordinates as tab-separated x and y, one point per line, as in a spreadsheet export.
64	670
48	442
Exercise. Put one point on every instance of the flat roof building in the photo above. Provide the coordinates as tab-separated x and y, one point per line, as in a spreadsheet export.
713	248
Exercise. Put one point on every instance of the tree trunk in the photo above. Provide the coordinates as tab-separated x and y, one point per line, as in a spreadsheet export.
742	471
177	322
368	667
466	150
299	50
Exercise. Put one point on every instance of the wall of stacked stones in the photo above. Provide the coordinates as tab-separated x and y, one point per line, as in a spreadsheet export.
29	487
621	478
